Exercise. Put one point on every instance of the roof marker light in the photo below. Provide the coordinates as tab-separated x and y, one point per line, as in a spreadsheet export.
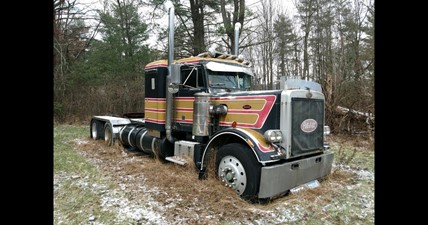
212	52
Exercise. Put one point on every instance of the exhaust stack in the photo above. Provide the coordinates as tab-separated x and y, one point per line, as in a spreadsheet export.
237	27
169	7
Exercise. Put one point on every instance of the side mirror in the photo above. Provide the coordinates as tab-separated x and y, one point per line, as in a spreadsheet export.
175	73
174	84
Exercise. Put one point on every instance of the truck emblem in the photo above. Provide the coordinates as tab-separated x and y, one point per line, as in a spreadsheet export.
308	125
246	107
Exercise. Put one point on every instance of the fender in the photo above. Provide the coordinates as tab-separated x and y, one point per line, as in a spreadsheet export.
249	137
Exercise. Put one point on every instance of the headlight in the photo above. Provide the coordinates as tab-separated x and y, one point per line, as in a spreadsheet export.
326	130
273	136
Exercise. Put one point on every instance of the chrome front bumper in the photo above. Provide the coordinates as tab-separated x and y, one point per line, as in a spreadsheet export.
278	179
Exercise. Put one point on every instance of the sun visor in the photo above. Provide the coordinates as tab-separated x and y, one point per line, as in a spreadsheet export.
215	66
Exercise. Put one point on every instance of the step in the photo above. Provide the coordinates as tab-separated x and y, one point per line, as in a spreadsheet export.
177	159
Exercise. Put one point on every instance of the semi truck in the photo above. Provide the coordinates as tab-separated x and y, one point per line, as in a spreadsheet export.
260	143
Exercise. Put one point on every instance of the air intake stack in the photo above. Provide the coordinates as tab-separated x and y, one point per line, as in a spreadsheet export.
201	115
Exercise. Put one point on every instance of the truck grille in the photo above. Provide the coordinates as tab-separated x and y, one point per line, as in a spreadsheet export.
307	126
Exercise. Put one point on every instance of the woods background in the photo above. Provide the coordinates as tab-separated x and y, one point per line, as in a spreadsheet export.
101	48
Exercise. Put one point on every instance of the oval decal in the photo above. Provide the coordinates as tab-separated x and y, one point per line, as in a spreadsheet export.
309	125
246	107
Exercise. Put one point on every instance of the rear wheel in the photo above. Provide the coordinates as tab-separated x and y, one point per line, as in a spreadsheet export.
95	129
237	168
108	134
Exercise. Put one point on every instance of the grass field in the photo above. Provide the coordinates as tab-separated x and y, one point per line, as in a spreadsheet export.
96	184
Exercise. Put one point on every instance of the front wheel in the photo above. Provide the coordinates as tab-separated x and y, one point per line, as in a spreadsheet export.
237	168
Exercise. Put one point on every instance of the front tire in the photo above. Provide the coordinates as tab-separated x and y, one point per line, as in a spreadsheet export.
238	168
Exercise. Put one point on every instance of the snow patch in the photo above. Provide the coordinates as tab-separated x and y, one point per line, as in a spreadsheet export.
80	141
362	174
281	215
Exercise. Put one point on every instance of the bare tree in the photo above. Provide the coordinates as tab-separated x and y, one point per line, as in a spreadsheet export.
229	20
263	45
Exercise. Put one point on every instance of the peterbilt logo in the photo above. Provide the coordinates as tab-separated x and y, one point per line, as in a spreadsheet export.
308	125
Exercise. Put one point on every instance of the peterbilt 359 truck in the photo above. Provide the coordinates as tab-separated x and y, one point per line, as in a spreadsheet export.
259	143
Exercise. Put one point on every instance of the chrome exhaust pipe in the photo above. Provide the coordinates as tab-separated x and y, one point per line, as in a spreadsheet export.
169	7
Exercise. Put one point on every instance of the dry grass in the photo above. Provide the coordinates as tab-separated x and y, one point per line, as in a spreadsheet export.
176	184
184	199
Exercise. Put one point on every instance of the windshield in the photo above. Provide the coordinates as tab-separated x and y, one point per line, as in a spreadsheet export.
220	81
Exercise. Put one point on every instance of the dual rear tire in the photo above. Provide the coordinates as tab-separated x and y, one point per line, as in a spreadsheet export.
102	130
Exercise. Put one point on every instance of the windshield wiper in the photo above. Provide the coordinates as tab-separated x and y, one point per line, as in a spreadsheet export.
218	85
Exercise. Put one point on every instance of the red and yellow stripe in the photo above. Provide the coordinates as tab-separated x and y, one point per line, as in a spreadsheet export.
259	139
155	110
255	117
